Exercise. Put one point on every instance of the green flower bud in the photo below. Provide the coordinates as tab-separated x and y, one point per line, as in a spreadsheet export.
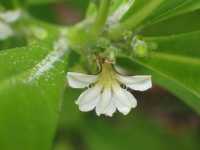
140	47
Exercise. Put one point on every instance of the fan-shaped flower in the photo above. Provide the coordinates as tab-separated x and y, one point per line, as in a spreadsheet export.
5	31
10	16
105	92
6	18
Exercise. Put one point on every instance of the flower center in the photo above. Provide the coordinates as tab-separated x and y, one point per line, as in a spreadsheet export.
107	76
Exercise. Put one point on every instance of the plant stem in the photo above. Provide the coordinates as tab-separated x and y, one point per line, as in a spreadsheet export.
133	21
101	17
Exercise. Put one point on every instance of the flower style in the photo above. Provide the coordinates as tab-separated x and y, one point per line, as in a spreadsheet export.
106	93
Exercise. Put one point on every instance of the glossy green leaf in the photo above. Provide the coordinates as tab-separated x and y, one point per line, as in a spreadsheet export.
141	11
180	24
147	12
166	9
186	44
176	8
174	65
30	88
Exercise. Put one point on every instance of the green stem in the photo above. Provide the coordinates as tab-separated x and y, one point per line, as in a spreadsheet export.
133	21
101	17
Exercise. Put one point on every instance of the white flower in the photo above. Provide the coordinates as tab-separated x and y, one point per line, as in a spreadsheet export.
6	18
5	31
10	16
105	93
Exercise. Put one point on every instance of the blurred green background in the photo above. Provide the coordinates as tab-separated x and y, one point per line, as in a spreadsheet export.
160	122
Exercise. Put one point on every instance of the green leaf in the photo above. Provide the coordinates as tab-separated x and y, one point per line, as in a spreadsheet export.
166	9
139	6
186	44
174	65
142	9
31	83
180	24
175	8
147	12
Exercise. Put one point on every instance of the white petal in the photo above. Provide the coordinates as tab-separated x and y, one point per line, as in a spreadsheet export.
110	109
121	95
89	94
5	31
90	105
120	106
10	16
89	99
80	80
131	98
104	101
139	83
123	100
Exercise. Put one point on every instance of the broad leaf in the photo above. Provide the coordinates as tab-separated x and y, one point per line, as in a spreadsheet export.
147	12
186	44
31	83
174	65
176	8
180	24
140	11
164	10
